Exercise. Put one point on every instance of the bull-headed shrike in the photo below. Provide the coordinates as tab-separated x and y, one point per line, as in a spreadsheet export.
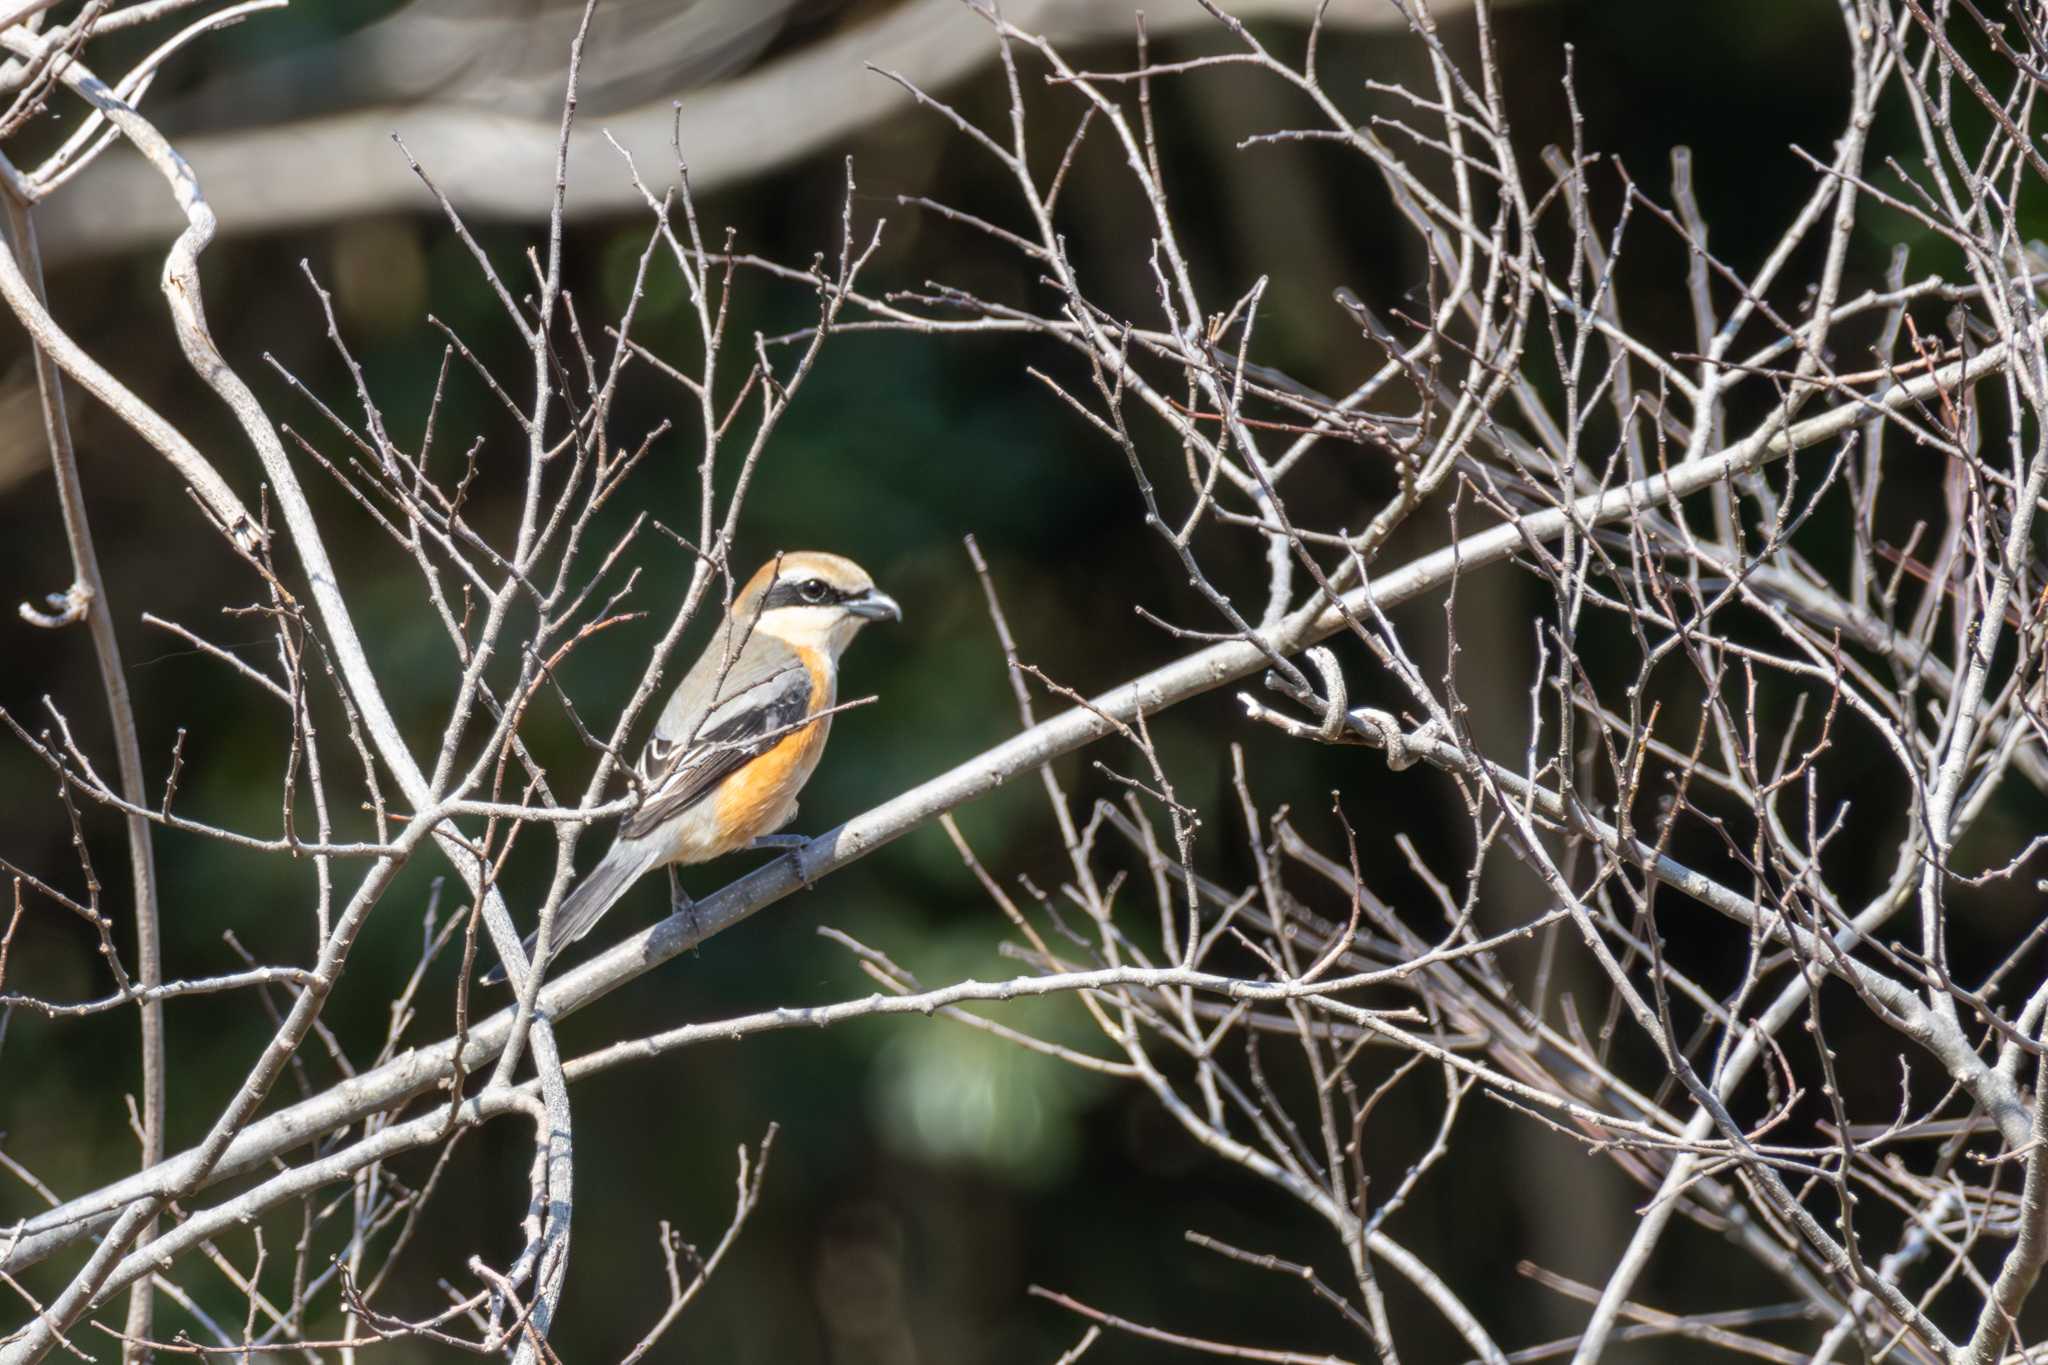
741	733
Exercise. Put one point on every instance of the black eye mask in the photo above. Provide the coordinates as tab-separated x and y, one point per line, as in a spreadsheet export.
805	592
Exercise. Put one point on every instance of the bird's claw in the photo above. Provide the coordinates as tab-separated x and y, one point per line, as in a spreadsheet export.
793	845
679	902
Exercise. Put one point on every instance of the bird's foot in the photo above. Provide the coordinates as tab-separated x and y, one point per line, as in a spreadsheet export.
679	902
791	844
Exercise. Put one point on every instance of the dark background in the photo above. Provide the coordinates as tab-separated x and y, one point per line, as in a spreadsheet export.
924	1175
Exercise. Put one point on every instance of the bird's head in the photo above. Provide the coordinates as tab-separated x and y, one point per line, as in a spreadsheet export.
812	599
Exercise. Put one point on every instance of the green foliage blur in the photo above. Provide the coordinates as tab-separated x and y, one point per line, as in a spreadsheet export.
924	1175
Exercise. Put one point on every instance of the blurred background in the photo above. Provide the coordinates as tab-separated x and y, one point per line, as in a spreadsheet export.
924	1175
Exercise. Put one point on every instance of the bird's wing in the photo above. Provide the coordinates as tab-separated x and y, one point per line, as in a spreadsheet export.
715	724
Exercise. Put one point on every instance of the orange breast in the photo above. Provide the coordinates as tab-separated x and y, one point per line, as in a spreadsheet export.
759	798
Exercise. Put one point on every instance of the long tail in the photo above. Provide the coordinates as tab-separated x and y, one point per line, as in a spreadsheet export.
598	892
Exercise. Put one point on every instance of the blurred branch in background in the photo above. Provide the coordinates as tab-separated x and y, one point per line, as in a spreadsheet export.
1727	899
472	87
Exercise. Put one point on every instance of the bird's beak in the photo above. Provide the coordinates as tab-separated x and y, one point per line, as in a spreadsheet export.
875	605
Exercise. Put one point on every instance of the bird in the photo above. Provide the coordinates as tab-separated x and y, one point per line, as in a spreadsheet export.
739	736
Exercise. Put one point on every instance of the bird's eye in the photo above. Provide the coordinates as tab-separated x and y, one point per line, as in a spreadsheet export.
812	589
